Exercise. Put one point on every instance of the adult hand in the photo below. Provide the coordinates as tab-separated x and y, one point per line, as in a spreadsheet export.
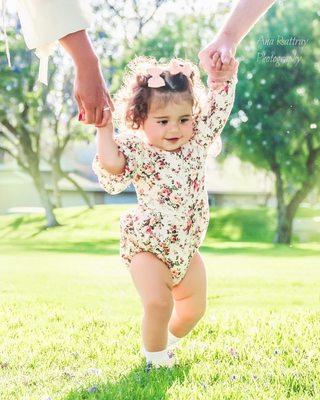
217	78
224	45
90	89
238	23
92	95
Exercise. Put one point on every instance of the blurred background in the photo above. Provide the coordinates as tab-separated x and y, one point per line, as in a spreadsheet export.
269	170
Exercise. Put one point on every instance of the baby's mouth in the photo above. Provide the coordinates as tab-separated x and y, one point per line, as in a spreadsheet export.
173	139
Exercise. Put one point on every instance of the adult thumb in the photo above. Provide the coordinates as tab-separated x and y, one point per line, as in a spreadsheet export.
226	56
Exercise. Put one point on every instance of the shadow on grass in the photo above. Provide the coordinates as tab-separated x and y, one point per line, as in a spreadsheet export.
110	247
137	384
231	232
14	225
23	220
34	219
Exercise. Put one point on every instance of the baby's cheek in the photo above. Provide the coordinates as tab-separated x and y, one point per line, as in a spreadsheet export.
153	134
188	128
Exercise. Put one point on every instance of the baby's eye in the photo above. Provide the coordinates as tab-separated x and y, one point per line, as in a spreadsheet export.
162	122
183	120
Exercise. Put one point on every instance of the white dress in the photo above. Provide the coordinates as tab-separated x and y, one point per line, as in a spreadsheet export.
172	215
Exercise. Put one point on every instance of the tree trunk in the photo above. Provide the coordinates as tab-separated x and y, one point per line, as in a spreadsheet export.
286	212
79	189
55	184
46	202
285	219
284	227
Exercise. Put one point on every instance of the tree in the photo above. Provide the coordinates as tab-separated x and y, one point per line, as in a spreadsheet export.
277	105
62	130
36	121
118	26
22	117
177	37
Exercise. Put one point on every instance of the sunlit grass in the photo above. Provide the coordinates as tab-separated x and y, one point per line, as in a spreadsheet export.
70	318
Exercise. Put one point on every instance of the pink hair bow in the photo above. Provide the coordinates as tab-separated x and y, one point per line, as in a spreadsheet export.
155	80
177	66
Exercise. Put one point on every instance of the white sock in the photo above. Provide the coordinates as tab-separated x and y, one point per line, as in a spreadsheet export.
172	339
157	357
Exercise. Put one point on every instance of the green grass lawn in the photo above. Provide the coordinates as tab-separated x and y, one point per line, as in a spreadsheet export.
70	315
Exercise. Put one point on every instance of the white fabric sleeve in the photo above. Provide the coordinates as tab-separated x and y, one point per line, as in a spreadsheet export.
43	22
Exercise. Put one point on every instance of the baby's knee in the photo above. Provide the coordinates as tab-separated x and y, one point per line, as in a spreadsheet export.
159	305
192	313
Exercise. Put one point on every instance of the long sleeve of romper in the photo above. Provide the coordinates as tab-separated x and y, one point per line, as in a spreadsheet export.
130	145
211	121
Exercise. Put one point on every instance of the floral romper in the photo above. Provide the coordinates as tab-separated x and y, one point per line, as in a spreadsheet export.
172	215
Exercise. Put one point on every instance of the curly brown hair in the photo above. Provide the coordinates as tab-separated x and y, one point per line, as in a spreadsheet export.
134	98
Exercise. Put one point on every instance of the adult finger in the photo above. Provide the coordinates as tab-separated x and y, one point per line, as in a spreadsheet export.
80	108
81	112
212	52
79	103
232	63
226	56
226	67
110	102
236	63
106	115
89	114
215	58
98	116
230	66
204	61
218	64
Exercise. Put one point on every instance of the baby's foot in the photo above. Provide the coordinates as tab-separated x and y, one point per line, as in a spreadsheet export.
172	360
173	346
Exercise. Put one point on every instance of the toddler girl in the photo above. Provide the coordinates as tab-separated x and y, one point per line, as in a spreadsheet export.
171	127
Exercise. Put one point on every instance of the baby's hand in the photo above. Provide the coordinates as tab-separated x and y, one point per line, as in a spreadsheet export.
220	73
107	120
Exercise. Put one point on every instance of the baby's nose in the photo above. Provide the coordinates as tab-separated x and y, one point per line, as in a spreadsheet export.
174	128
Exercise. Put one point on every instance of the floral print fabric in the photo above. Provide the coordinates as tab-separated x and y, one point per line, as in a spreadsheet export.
172	215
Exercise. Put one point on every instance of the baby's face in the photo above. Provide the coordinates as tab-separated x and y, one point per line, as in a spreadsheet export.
169	127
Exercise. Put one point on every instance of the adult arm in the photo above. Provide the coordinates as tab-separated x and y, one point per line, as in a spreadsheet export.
89	87
238	23
43	22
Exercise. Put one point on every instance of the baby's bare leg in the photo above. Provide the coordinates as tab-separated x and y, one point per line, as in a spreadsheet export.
189	298
153	281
